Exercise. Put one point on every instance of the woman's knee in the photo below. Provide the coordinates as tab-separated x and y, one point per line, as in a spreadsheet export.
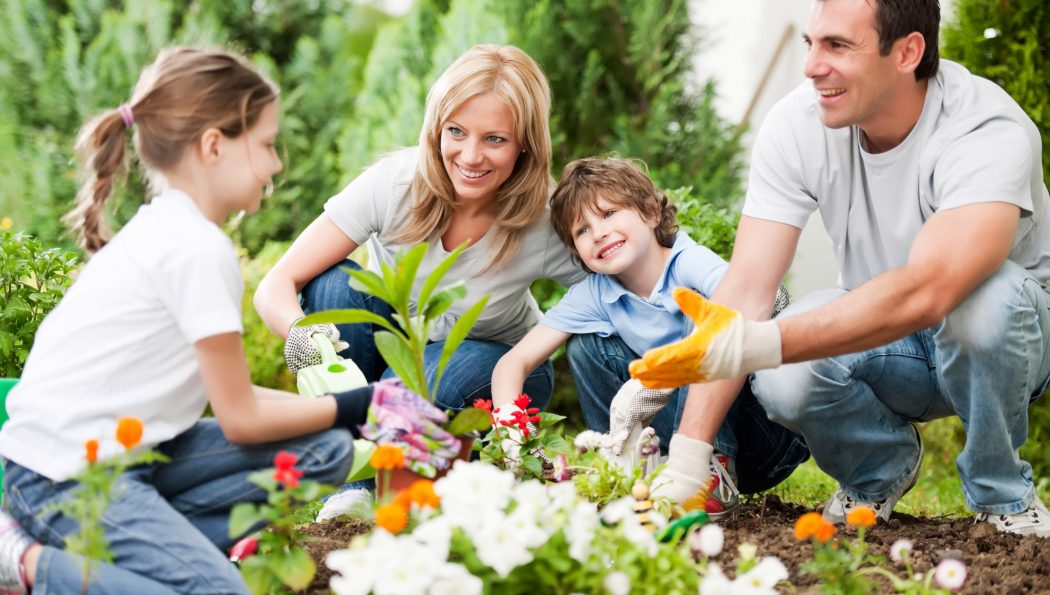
329	290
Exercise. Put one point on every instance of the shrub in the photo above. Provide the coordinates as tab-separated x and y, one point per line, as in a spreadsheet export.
263	348
32	280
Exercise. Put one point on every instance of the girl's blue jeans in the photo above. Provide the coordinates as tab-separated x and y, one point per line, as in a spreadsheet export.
467	376
764	453
985	363
168	524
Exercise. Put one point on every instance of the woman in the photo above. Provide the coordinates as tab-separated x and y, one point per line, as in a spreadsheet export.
479	175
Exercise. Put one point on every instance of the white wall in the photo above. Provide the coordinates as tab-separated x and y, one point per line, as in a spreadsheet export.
740	39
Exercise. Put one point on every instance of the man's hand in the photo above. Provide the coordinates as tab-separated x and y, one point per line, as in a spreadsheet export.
723	345
632	409
686	478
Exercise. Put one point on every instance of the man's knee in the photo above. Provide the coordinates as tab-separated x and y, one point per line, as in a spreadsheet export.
987	319
786	393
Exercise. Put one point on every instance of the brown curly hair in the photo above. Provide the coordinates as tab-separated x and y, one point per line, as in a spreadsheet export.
620	181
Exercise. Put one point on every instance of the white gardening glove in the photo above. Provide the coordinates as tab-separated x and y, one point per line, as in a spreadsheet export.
632	409
299	348
723	345
686	479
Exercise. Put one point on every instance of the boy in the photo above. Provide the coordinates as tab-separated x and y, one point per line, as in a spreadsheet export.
624	230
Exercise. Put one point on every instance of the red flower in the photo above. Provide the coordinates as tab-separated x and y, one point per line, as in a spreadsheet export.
285	460
483	404
522	401
285	473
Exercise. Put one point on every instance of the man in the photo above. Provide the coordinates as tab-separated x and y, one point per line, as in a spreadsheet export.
929	182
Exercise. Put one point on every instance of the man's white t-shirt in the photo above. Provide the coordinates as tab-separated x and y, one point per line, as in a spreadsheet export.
972	144
121	341
376	201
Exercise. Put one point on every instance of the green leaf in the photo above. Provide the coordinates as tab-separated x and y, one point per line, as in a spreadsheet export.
533	465
547	419
555	443
439	272
257	575
368	282
347	316
440	302
456	336
469	420
402	361
407	264
243	517
294	568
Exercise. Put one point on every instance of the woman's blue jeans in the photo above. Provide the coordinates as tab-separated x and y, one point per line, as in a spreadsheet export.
168	523
467	376
764	452
985	363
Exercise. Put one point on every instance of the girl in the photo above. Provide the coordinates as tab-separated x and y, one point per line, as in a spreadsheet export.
152	329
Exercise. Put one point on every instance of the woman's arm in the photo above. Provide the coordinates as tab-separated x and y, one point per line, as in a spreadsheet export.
320	246
251	414
508	377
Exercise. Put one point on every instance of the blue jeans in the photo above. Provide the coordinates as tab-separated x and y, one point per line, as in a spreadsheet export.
168	524
764	452
467	376
985	362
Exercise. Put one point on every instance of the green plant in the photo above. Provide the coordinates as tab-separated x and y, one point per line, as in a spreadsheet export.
32	281
97	486
522	444
262	347
279	559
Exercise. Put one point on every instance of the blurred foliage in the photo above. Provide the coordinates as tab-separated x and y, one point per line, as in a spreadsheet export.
1008	41
263	348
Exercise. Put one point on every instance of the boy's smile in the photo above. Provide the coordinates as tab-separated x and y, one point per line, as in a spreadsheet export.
617	240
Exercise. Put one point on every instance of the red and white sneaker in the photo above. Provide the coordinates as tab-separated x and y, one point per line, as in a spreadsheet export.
724	497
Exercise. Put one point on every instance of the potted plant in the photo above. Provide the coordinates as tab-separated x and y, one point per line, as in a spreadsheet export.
403	340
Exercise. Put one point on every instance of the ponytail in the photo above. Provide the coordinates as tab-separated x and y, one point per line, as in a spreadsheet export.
101	149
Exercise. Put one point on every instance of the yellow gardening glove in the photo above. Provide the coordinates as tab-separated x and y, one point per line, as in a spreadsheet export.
723	345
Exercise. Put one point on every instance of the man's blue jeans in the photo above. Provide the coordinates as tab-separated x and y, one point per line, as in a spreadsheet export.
168	523
764	453
985	362
467	376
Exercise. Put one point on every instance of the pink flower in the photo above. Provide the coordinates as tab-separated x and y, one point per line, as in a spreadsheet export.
900	549
950	574
561	468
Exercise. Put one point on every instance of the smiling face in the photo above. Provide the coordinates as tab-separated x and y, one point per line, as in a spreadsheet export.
479	148
613	239
854	82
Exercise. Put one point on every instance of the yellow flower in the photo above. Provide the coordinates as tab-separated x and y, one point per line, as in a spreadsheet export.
393	517
6	223
861	517
129	431
387	456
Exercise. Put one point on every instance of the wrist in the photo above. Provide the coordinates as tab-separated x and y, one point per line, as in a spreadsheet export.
351	408
764	349
689	456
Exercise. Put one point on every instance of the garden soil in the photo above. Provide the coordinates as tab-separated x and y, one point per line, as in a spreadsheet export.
997	563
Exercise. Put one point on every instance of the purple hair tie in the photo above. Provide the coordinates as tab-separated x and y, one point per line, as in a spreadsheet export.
126	115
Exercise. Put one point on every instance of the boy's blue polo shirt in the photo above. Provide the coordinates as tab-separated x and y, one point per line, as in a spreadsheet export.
601	304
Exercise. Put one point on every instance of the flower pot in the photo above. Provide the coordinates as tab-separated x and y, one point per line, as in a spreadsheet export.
402	479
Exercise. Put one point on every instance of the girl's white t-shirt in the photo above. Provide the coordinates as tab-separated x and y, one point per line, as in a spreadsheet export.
376	201
121	341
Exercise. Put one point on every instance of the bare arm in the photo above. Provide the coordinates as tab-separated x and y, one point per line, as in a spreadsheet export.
762	253
320	246
508	377
956	250
251	414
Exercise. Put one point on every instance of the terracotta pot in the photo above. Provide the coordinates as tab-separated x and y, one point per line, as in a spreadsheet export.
401	479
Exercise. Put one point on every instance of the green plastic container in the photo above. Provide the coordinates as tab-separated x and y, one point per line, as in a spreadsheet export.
6	384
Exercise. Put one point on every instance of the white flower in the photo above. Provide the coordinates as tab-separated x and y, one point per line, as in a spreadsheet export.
715	581
499	547
617	583
588	440
561	497
990	33
531	496
454	579
356	571
638	535
523	522
618	510
900	549
709	540
580	531
470	490
436	535
746	551
950	574
764	576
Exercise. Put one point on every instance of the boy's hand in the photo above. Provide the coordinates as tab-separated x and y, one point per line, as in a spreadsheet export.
723	345
632	409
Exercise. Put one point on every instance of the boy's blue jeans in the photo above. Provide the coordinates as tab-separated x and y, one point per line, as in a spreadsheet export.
764	452
467	376
168	524
985	362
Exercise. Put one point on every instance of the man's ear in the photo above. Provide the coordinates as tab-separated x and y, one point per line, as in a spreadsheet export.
908	52
209	147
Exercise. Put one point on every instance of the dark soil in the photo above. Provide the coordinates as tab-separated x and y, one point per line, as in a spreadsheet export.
997	563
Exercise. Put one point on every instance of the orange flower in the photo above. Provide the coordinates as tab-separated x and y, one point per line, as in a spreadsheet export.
392	517
421	493
825	532
129	431
91	450
807	525
861	517
387	456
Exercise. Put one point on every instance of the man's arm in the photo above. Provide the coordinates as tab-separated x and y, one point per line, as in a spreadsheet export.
954	252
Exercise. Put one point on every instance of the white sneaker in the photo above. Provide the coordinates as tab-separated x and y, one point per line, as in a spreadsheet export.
1033	521
353	503
13	544
840	505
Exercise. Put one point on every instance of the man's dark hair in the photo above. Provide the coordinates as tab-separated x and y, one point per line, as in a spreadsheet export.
895	19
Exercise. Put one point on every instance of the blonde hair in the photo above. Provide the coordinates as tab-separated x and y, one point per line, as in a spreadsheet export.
515	79
183	93
620	181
